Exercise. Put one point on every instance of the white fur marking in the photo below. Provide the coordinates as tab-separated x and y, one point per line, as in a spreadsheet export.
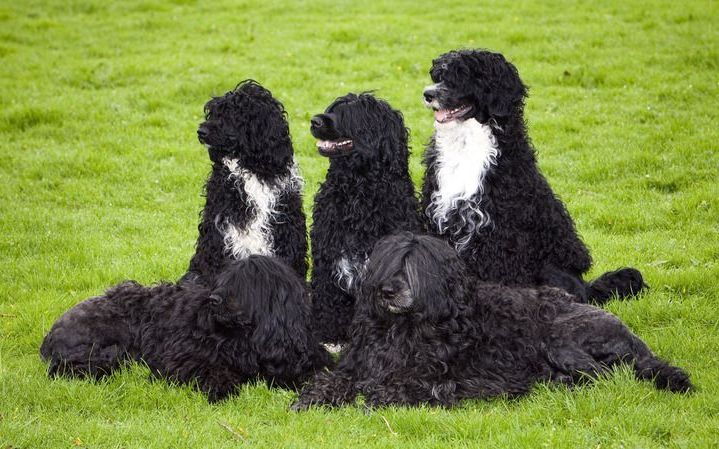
466	150
256	236
348	273
434	104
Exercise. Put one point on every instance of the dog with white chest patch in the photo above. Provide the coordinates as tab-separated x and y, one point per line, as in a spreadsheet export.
367	194
254	202
484	193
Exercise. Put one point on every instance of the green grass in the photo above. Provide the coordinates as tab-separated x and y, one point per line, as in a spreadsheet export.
101	175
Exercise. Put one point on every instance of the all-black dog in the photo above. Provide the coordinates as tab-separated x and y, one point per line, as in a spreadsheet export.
423	332
367	194
254	203
255	323
484	193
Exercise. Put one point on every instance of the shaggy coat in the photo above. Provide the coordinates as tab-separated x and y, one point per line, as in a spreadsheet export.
367	194
253	324
253	194
484	193
423	333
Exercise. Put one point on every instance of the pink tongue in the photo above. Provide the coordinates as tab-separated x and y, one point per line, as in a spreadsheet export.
441	115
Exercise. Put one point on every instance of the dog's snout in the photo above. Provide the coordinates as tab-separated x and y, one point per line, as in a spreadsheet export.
202	132
430	95
323	126
316	121
322	121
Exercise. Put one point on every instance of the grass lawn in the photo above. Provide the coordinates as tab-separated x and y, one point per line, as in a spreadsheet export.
101	175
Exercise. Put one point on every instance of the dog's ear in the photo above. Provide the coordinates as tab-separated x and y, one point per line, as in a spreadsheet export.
400	136
506	93
269	137
440	288
393	138
436	277
282	337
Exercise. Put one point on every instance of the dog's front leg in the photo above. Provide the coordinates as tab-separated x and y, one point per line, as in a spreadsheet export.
404	391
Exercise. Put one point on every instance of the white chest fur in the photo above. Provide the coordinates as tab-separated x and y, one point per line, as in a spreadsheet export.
348	273
255	237
466	151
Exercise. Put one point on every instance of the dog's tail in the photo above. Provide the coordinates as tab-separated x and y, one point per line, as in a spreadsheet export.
621	283
664	375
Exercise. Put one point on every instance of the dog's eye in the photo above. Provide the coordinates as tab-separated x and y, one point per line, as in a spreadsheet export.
216	300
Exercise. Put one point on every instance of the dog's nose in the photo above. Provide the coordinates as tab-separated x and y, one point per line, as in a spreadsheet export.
316	121
429	95
202	132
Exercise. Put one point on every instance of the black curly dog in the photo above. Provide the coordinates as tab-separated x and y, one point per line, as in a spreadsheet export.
254	203
367	194
484	193
255	323
425	333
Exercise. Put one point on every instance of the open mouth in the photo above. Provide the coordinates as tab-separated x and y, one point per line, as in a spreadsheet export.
395	309
334	147
447	115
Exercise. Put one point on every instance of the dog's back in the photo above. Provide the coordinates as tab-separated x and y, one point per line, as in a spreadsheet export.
562	340
96	335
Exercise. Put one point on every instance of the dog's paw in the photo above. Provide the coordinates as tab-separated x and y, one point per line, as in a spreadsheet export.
675	380
634	281
303	404
623	283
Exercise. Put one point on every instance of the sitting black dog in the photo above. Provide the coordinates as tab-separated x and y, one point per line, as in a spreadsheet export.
253	324
254	202
367	194
484	193
425	333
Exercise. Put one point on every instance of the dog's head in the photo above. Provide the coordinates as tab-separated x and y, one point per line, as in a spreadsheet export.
267	299
475	84
248	124
362	129
413	275
250	290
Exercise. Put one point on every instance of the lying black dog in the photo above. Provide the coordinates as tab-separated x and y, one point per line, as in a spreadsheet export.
484	193
425	333
253	324
254	202
367	194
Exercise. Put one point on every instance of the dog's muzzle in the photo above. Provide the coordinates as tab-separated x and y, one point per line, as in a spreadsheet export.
202	133
322	127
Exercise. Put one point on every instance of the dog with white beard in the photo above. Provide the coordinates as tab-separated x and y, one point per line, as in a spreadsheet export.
484	193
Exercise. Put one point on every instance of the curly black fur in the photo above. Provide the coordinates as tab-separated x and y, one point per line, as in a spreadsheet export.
254	323
511	228
367	194
424	333
254	203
